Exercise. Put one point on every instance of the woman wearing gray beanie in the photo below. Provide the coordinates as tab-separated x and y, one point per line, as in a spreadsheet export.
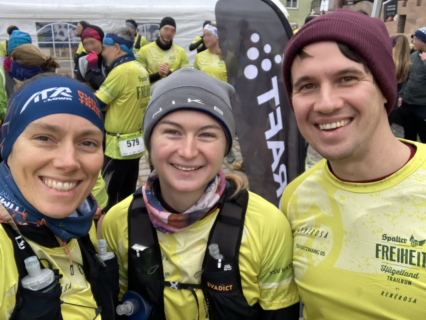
194	242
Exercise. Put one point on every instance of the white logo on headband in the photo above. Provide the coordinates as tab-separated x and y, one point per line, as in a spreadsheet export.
47	95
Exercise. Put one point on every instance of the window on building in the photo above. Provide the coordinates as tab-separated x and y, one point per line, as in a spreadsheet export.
60	41
293	4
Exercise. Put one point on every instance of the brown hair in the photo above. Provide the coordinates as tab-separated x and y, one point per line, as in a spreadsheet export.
220	52
29	55
401	57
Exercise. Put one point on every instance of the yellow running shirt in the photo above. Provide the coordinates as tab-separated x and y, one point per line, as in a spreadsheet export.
359	248
151	56
127	92
3	49
80	48
196	40
211	64
264	260
142	42
75	289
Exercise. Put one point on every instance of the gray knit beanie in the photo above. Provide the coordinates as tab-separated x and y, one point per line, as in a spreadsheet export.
190	89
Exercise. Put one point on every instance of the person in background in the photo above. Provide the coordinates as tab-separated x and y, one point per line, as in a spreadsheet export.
216	62
52	151
401	57
3	45
27	61
198	42
188	204
357	216
294	28
92	68
162	57
413	94
80	27
16	39
140	40
124	95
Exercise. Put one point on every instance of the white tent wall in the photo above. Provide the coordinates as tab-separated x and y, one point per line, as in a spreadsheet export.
30	15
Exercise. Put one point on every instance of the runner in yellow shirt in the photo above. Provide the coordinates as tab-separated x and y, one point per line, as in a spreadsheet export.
162	57
198	42
125	93
80	27
162	234
52	151
214	61
358	215
140	40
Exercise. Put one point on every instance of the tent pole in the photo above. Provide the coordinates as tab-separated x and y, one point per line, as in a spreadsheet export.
377	6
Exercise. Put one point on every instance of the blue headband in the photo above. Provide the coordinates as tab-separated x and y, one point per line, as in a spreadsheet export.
112	39
44	97
22	73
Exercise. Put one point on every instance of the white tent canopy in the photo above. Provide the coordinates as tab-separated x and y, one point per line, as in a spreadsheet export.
51	23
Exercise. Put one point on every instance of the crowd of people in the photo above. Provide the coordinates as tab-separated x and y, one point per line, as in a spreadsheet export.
193	242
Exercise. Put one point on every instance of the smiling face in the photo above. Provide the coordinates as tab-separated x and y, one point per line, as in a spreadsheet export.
339	108
55	163
187	150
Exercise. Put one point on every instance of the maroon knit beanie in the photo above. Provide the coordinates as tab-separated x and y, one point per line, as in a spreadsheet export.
367	36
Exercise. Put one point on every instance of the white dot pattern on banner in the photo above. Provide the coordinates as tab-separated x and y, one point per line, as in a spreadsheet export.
278	59
267	48
253	53
266	65
255	37
251	72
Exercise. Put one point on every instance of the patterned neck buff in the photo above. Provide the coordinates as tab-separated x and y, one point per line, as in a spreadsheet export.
169	223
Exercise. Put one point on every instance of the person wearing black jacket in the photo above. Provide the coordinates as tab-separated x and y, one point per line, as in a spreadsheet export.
412	96
90	67
198	42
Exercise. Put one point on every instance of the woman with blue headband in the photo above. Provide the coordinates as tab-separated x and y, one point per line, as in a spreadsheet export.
52	150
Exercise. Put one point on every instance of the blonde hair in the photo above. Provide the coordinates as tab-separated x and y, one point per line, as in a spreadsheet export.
240	181
29	55
401	57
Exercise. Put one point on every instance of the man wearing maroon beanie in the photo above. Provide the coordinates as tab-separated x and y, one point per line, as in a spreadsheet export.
358	216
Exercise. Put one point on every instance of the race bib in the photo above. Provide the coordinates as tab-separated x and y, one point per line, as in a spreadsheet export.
131	144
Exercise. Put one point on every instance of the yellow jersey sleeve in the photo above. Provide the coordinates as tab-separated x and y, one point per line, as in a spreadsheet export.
196	66
268	238
3	49
196	40
115	232
144	42
184	62
112	87
142	58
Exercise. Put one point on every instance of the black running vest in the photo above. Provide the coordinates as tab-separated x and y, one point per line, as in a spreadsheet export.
224	298
34	305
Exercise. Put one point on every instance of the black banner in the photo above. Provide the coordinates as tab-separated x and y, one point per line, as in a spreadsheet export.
256	33
390	10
